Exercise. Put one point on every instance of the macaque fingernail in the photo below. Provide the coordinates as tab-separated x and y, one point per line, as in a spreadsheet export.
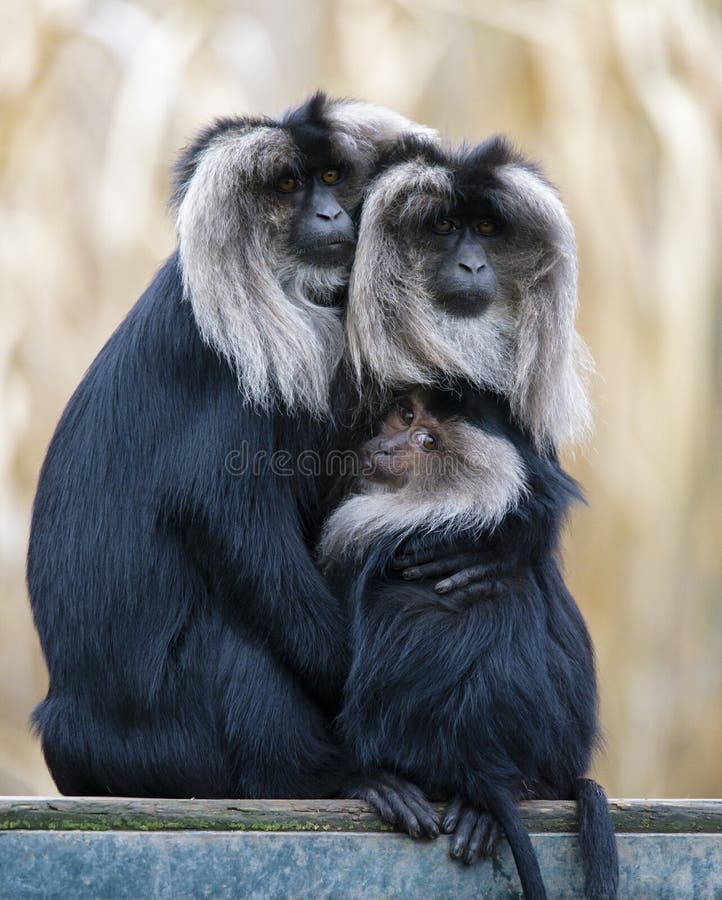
410	574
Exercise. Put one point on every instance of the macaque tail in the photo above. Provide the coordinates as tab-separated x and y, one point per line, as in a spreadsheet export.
508	815
597	841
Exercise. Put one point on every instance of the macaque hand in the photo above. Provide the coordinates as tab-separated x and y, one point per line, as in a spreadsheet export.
465	573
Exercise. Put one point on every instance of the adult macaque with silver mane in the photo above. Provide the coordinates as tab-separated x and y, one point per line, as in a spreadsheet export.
466	272
193	648
483	701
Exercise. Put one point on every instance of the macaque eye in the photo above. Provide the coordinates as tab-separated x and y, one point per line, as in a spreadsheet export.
427	441
331	176
288	184
407	414
443	226
487	227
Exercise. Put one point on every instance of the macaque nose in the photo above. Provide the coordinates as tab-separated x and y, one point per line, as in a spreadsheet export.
376	451
329	212
379	452
471	265
471	258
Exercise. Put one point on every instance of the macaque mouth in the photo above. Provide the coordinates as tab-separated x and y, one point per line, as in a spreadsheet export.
333	249
332	240
466	303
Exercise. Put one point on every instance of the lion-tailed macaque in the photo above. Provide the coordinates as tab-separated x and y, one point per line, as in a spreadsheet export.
485	700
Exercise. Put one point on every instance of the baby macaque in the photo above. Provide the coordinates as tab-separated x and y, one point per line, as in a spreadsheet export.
484	702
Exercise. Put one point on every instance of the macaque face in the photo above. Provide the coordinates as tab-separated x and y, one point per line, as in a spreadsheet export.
409	437
315	204
462	251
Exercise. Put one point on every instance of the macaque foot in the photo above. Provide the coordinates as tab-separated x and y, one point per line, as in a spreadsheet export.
399	803
475	833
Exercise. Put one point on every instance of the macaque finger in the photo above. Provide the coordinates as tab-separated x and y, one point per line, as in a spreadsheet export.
479	838
414	553
465	577
448	565
407	558
452	815
462	834
492	836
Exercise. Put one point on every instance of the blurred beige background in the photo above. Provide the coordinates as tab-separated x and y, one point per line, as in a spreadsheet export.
621	101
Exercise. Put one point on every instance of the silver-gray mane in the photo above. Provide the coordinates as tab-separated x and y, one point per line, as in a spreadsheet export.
272	319
524	346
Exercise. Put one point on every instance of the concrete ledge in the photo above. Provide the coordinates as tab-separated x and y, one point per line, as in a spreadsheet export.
128	848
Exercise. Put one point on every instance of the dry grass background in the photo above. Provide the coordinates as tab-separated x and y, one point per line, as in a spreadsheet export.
622	101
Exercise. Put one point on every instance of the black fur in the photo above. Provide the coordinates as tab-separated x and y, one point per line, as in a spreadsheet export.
193	648
309	128
495	700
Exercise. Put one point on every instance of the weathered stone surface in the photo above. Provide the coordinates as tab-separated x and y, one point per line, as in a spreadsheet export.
192	864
